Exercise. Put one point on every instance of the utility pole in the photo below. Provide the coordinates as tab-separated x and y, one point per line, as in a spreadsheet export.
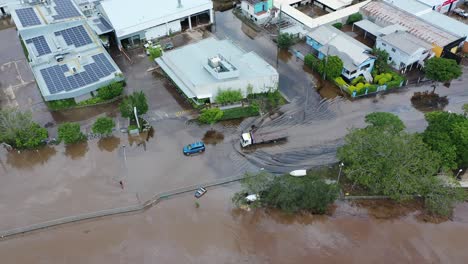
277	38
326	62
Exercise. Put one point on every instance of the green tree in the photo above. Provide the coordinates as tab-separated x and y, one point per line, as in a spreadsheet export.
290	194
136	99
354	18
70	133
210	116
285	40
18	129
338	25
110	91
441	69
447	134
103	125
465	109
386	162
386	120
333	66
381	61
440	198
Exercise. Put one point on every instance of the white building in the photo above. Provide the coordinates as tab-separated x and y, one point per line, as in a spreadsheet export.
259	11
404	49
442	6
202	69
138	20
66	57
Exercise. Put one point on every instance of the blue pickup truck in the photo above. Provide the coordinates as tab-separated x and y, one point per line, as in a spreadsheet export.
194	148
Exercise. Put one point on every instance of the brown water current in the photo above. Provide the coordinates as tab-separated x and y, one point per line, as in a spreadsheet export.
175	231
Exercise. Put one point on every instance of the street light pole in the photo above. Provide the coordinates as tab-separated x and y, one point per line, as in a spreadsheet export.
339	174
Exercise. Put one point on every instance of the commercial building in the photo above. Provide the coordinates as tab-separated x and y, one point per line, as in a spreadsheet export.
442	6
204	68
329	41
404	50
445	41
66	57
138	20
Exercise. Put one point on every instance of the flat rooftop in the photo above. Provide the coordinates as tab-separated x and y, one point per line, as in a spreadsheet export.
128	17
188	64
384	14
66	57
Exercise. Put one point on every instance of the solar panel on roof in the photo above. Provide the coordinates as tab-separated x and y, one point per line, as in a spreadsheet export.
40	44
75	36
65	9
56	81
27	17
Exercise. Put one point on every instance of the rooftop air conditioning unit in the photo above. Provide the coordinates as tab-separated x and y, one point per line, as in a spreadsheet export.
214	62
59	58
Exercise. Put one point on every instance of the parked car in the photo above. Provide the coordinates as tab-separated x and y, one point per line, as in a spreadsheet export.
168	46
200	192
194	148
460	12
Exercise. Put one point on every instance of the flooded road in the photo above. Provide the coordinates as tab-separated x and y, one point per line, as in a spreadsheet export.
175	231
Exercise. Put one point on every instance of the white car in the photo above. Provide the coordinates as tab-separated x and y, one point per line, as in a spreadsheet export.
460	12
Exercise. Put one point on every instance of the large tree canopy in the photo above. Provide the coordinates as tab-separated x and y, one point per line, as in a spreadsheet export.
18	129
386	162
447	134
441	69
386	120
136	99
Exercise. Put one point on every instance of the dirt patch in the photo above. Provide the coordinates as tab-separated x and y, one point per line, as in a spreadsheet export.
429	101
213	137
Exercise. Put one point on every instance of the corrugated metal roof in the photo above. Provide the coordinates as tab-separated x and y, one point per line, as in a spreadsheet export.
406	42
368	26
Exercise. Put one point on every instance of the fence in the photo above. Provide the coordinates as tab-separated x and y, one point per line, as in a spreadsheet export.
115	211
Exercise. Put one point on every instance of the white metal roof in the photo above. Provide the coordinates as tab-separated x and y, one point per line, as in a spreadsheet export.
129	17
368	26
406	42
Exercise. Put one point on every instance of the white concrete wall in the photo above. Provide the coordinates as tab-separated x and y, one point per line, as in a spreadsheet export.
163	30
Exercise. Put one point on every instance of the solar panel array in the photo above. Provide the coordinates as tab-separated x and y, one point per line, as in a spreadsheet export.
65	9
41	45
103	25
75	36
56	80
27	17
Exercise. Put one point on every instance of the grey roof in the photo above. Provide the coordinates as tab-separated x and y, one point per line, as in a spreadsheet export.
337	43
392	28
368	26
385	14
406	42
185	65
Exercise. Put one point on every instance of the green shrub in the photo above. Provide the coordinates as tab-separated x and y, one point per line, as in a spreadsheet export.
388	76
354	18
103	125
359	86
338	25
61	104
110	91
228	96
351	89
340	82
285	40
358	79
70	133
154	53
210	116
372	88
382	81
311	61
32	137
240	112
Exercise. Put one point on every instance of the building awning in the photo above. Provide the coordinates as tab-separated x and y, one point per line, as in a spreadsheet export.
369	27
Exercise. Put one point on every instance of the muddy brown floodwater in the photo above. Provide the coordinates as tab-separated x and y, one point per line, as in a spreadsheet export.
175	231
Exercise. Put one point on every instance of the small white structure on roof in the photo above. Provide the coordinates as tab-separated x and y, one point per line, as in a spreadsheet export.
202	69
149	19
404	49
